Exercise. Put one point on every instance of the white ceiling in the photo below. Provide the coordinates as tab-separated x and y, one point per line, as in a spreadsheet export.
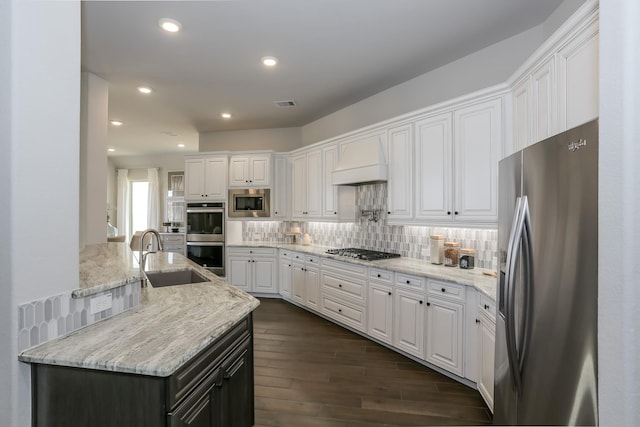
332	53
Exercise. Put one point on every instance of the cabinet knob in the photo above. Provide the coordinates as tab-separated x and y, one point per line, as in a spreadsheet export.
250	181
339	310
289	265
444	290
477	320
455	213
428	304
335	213
408	283
486	307
448	212
276	212
378	275
388	212
250	252
420	302
339	285
389	293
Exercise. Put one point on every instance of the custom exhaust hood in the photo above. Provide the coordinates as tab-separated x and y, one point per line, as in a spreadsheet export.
361	162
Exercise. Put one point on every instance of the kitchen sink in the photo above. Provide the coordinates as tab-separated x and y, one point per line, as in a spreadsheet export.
177	277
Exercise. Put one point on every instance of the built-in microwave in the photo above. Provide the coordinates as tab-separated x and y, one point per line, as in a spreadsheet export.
249	203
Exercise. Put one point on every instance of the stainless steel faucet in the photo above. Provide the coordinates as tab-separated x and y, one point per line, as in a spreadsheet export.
143	256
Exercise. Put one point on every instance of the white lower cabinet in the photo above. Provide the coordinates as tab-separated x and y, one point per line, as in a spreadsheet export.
486	339
380	312
253	269
409	321
285	274
305	281
445	334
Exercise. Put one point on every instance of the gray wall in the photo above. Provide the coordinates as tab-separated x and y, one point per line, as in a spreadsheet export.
279	139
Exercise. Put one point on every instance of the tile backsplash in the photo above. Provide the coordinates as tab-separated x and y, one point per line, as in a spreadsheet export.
43	320
408	241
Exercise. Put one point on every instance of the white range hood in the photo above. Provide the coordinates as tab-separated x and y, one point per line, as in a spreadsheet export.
361	162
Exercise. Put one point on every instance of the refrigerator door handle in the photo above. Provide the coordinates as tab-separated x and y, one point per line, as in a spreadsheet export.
508	291
521	232
528	280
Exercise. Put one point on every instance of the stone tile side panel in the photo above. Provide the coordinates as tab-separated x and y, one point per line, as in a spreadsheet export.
409	241
49	318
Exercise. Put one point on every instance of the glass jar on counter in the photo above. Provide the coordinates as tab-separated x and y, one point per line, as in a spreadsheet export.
451	254
467	258
436	252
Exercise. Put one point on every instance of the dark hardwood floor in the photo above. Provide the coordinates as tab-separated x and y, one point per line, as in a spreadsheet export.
310	372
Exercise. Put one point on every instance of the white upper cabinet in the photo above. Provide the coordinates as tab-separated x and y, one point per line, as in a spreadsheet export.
433	162
400	183
559	90
306	200
250	170
280	207
330	191
206	178
578	75
477	150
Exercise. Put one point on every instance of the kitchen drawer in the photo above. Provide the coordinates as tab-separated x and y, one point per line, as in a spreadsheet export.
173	238
379	275
270	252
445	289
297	256
345	267
285	254
349	314
312	260
487	306
350	288
409	281
180	248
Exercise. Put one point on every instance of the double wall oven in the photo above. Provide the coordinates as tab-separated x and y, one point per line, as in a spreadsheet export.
205	235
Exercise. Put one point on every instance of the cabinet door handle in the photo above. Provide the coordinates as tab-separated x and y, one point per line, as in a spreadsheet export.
486	307
428	304
234	368
420	302
389	293
477	320
455	213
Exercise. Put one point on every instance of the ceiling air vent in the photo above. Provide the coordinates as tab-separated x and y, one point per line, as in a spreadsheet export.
284	104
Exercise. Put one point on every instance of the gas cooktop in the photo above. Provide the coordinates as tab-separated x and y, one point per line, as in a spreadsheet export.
363	254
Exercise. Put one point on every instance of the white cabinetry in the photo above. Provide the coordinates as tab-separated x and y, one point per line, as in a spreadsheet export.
281	189
285	274
486	338
477	150
305	282
206	178
578	78
307	185
253	170
380	306
174	242
409	321
400	183
253	269
339	201
445	326
344	293
433	163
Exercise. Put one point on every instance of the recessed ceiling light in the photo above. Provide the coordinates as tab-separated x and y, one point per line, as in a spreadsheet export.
225	115
116	122
111	150
181	145
170	25
269	61
144	89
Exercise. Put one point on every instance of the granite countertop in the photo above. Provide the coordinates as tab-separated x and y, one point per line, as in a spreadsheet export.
106	266
474	277
169	327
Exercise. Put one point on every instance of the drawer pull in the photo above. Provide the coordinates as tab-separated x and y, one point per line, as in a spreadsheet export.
420	302
444	290
378	275
339	310
486	307
408	282
428	304
339	285
477	320
389	293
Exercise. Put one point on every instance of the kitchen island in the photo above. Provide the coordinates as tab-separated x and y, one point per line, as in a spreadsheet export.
183	354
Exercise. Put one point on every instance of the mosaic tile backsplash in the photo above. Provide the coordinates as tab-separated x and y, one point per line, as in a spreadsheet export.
43	320
408	241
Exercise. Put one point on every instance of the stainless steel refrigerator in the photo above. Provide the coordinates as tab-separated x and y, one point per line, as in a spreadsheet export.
546	331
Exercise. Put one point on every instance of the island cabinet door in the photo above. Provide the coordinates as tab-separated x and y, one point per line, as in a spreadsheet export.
201	408
237	388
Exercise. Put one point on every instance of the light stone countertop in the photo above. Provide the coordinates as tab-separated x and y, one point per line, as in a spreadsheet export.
106	266
474	277
169	327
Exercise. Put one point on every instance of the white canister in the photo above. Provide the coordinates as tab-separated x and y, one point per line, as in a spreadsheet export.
437	249
306	239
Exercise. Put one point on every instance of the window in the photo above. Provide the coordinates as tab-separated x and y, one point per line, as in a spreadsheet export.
139	205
